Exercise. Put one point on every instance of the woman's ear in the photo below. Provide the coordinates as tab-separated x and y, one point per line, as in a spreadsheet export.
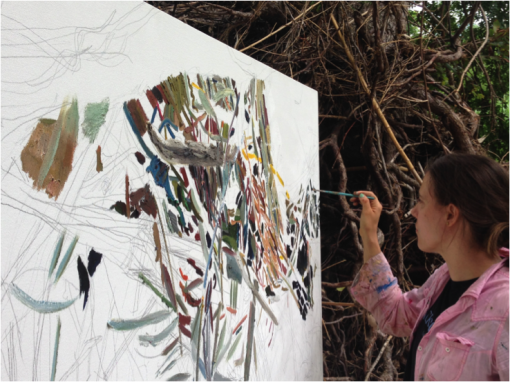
452	215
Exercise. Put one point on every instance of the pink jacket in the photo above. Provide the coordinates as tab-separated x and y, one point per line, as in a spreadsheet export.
468	341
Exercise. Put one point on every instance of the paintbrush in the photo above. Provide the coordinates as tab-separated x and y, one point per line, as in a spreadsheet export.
341	193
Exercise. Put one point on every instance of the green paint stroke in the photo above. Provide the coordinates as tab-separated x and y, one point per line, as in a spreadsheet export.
67	122
55	352
56	254
65	260
95	117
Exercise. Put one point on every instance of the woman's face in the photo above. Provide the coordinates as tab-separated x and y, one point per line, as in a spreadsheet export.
430	219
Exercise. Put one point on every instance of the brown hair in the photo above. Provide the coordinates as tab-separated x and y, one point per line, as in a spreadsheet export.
478	187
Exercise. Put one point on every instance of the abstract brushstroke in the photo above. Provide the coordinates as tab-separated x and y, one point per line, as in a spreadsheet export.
55	352
157	241
249	342
157	338
99	163
94	260
56	254
157	292
180	377
65	259
48	156
95	117
84	281
150	319
143	200
39	306
140	157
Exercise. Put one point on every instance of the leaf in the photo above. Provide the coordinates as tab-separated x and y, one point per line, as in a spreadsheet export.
168	285
65	260
39	306
55	352
157	338
56	254
234	347
206	104
150	319
179	377
223	93
496	25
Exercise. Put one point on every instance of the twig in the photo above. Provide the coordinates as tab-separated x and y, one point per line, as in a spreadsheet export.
282	27
374	103
378	357
342	318
477	52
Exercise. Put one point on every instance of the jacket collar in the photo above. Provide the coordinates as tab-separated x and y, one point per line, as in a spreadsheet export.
476	288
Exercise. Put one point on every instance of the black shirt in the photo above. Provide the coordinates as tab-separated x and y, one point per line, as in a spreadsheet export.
448	297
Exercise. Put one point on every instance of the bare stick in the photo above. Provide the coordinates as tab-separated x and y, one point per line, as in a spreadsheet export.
374	102
282	27
378	357
478	51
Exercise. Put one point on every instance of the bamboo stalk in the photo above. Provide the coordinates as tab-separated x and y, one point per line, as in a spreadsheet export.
375	104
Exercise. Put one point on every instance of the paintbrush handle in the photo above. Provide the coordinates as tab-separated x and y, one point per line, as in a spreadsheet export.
342	193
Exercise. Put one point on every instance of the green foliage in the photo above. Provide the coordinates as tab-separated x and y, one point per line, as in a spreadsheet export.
476	91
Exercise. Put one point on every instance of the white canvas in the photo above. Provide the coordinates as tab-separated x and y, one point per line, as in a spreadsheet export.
57	59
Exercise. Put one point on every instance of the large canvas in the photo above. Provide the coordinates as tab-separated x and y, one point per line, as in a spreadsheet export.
158	219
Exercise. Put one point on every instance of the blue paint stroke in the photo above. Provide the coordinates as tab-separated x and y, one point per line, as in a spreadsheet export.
167	123
381	288
159	171
154	115
39	306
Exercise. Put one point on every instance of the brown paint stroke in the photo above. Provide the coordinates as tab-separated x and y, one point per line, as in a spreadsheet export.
128	207
157	241
99	165
143	200
48	156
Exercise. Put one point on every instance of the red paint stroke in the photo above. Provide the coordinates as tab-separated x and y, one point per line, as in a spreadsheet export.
233	311
211	127
228	251
162	94
197	237
184	177
193	264
240	323
185	331
191	128
194	283
152	100
184	320
188	297
138	114
169	348
184	277
222	316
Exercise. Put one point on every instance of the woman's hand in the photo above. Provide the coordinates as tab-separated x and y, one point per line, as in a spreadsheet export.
369	220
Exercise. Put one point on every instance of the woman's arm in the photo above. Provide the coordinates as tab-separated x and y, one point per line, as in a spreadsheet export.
375	287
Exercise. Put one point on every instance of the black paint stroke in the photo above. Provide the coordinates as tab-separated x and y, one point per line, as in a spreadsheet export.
84	281
94	261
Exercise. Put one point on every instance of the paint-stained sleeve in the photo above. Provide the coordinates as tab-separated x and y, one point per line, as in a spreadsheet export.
376	289
501	351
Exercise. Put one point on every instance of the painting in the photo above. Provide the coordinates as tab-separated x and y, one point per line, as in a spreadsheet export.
158	213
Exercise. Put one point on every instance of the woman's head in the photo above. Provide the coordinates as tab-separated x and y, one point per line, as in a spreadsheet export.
476	189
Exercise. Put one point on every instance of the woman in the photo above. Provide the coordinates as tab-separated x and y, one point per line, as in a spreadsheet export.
458	319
